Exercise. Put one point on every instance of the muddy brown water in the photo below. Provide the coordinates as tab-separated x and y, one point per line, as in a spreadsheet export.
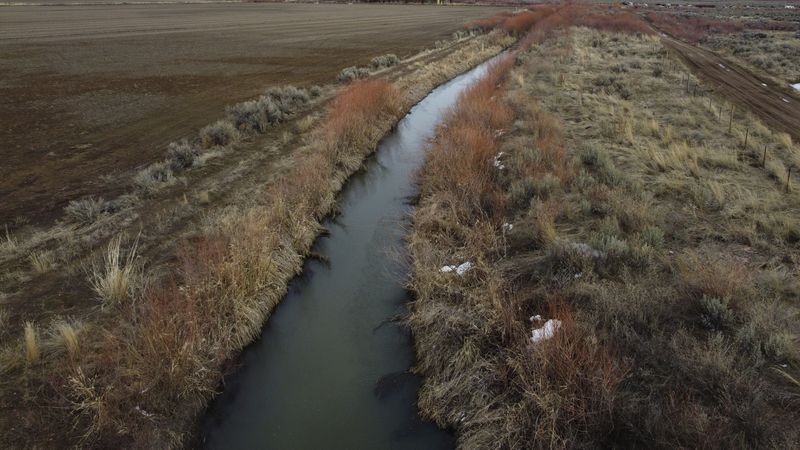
330	370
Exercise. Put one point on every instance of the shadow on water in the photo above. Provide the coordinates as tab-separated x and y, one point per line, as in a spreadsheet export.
331	368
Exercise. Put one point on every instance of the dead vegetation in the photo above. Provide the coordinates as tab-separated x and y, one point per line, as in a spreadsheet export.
586	187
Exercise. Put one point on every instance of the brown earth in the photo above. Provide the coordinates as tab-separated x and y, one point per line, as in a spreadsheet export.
776	105
91	92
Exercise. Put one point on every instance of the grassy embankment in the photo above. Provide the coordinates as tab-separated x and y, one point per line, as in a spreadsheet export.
138	371
585	186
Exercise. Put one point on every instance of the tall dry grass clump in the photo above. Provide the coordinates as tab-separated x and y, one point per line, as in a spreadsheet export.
113	279
69	336
32	350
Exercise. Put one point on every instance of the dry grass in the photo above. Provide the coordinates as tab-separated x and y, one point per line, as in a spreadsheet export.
485	377
32	352
653	243
41	261
68	335
8	244
115	277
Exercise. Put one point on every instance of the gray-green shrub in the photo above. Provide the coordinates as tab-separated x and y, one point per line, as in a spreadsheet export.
352	73
220	133
85	211
384	61
181	155
153	176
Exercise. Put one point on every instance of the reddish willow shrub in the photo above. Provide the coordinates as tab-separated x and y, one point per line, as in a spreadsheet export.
353	113
521	23
622	22
460	161
488	23
692	29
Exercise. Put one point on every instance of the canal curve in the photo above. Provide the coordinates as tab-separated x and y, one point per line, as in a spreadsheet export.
330	369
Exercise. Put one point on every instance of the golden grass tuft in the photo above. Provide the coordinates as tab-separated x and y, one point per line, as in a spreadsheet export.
8	244
41	261
32	351
114	279
68	335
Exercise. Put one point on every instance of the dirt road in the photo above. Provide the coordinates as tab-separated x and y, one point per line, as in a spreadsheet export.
777	106
89	92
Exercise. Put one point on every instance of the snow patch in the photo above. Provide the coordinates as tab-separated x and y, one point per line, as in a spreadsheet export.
721	65
460	269
796	86
546	332
508	227
764	84
785	100
498	163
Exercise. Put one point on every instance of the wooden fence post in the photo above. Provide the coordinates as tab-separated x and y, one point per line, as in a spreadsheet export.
730	120
788	177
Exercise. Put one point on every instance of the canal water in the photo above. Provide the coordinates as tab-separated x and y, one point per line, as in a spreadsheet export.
330	370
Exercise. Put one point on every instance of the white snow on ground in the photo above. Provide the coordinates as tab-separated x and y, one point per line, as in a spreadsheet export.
464	268
721	65
460	269
796	86
497	162
546	332
786	100
508	227
764	84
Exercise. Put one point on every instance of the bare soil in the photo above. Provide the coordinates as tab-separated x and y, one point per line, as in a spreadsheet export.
92	91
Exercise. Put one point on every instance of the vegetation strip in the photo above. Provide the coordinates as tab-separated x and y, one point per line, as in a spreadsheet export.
618	285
